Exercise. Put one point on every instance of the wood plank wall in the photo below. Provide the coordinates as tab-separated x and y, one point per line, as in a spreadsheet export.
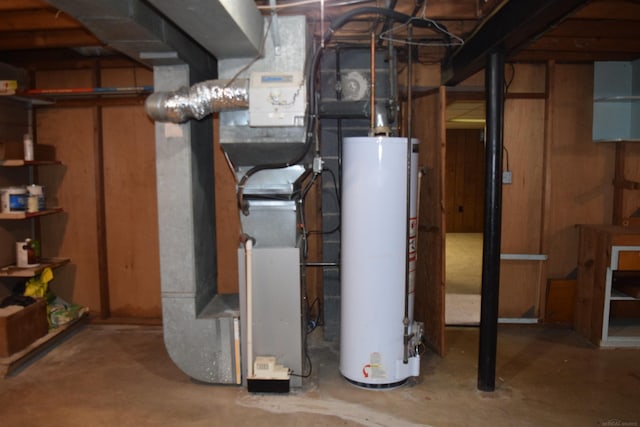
464	181
580	171
14	124
227	219
521	282
561	178
123	231
430	269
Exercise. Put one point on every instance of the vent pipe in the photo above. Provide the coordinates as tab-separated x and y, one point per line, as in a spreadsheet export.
198	101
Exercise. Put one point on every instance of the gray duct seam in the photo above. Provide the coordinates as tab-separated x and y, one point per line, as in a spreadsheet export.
198	101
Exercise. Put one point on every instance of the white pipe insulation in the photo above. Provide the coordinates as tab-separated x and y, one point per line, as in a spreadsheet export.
248	248
198	101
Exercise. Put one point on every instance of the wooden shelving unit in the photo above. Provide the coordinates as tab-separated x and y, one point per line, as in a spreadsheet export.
14	271
14	362
19	163
600	250
25	215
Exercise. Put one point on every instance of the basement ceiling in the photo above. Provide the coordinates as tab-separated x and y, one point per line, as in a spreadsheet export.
33	30
36	35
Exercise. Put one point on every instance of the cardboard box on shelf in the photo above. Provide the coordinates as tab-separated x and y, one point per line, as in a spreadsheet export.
21	328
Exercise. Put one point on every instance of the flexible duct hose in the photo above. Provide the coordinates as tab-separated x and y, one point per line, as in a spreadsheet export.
198	101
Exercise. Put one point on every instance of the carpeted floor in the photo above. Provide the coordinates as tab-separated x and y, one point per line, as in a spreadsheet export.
463	278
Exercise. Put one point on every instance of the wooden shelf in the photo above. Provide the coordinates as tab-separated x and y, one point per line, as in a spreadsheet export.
13	363
13	271
20	162
24	215
617	295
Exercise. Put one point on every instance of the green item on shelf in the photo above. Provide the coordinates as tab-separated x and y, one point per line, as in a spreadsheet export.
61	312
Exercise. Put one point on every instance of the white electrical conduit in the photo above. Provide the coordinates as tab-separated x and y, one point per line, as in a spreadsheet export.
248	252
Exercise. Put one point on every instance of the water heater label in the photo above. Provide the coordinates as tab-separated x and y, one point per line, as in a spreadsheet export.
374	369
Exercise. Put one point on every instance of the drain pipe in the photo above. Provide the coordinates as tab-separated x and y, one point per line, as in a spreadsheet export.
248	260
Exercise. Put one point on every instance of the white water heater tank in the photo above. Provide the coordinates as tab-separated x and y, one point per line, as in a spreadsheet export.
373	263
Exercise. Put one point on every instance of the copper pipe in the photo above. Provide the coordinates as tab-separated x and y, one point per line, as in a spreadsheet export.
373	83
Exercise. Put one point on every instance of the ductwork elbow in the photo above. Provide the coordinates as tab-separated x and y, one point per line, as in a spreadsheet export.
198	101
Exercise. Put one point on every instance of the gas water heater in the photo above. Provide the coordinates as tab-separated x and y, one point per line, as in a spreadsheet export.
378	337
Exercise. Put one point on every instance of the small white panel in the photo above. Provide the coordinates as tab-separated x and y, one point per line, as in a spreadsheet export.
276	99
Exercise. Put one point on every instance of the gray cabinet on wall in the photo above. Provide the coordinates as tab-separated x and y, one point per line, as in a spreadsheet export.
616	101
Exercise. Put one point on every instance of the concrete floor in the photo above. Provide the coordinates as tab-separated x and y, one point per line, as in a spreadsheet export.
122	376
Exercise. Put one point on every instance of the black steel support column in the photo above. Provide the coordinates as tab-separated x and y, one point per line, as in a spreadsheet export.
494	80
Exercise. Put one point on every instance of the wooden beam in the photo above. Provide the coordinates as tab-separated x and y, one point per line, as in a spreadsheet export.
605	28
42	19
63	59
47	39
530	55
618	184
612	9
98	102
6	5
587	44
508	29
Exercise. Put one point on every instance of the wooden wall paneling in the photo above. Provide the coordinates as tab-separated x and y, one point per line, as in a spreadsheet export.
131	213
71	186
519	289
631	198
313	218
458	191
101	221
464	181
126	76
72	233
227	220
454	180
13	120
130	206
545	205
473	182
526	78
430	274
581	171
451	208
13	125
63	79
521	200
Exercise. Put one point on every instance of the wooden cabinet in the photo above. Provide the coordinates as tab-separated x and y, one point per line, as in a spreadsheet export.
605	252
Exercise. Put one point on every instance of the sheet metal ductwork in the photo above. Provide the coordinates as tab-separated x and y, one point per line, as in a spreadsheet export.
164	34
198	101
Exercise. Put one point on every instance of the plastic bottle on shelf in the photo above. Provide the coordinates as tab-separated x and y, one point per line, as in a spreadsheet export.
28	146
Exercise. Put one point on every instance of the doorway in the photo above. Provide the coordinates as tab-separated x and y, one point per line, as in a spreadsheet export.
464	206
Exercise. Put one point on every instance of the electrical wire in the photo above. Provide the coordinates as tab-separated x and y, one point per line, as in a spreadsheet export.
338	200
255	58
507	84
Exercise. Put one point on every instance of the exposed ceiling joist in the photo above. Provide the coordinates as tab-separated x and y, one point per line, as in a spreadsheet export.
511	26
